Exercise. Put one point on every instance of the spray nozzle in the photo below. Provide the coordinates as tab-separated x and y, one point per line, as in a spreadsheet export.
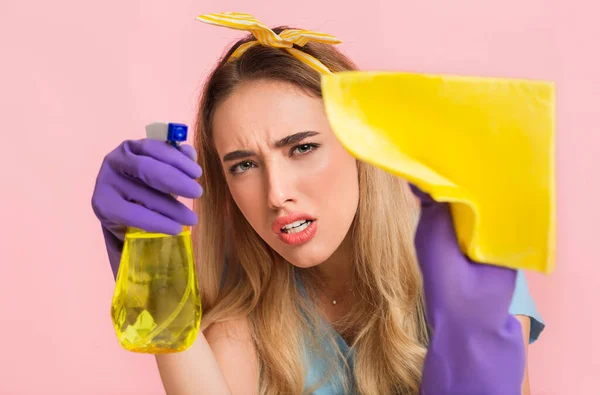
172	133
176	132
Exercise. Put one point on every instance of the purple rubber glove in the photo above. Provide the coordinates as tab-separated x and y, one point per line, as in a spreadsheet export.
476	346
135	187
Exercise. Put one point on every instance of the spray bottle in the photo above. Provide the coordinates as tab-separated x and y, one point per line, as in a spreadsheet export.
156	306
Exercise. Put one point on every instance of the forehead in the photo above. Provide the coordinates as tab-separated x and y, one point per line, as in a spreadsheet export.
266	110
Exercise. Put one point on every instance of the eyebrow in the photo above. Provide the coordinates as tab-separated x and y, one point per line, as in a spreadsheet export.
284	142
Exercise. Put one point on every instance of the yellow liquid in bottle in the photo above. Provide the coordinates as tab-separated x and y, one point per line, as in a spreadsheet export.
156	306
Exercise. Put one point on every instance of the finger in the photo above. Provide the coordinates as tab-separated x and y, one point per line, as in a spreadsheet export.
156	201
165	153
116	212
135	215
189	151
158	175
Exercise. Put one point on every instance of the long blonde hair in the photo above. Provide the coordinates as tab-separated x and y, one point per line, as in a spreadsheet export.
239	274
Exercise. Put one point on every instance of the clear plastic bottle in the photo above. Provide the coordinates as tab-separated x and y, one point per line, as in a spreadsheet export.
156	305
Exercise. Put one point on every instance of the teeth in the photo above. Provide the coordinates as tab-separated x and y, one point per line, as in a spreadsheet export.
296	227
293	225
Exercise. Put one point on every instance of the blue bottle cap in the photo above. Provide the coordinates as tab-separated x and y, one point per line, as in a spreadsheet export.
177	132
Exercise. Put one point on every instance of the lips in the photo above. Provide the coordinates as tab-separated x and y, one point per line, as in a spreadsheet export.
288	219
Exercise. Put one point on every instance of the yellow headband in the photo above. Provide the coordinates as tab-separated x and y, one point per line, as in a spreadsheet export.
267	37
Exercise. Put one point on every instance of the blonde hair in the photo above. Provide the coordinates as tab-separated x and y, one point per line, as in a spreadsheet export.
387	324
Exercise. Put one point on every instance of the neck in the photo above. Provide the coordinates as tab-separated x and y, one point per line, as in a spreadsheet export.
337	271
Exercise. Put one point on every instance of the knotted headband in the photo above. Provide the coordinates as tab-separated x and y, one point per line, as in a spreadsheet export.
268	38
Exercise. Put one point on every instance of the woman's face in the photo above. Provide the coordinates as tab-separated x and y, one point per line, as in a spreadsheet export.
294	182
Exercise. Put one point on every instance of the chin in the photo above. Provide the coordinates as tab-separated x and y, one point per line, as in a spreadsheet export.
304	262
305	256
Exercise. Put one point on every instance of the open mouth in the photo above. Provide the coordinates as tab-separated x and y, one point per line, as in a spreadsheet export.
296	227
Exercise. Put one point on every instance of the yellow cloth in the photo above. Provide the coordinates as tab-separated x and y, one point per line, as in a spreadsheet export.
484	145
267	37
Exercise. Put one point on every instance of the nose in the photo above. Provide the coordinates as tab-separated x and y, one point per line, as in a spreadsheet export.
279	187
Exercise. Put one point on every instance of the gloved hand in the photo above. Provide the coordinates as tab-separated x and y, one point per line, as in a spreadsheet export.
135	187
476	346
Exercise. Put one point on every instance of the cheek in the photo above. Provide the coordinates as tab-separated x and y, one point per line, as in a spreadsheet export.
335	181
248	194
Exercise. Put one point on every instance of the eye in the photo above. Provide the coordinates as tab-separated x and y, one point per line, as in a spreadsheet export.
303	149
241	167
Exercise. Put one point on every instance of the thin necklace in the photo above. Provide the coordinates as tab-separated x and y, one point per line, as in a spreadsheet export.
335	301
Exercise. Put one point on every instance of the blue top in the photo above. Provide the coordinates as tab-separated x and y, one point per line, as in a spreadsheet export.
522	304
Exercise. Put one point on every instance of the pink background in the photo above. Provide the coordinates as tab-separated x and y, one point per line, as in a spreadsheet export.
78	77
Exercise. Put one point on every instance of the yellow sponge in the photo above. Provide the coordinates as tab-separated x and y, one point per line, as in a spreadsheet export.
485	145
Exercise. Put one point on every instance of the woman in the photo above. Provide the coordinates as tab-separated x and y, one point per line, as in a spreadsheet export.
311	274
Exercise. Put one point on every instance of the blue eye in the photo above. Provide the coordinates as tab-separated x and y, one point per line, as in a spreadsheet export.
241	167
303	149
